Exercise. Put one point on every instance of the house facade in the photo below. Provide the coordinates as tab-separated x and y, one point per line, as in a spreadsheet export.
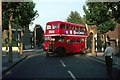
115	38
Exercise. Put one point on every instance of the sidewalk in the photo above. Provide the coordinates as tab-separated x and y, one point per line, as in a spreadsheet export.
116	59
7	65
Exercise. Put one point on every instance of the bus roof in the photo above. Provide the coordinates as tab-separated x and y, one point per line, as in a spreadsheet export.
55	22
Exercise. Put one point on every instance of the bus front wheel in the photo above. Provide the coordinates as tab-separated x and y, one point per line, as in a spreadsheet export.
47	54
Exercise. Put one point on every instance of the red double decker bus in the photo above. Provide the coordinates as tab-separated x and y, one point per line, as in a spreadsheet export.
64	38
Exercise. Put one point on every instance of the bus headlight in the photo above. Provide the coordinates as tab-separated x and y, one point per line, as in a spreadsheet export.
53	39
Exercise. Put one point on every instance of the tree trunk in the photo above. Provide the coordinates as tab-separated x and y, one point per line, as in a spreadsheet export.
7	43
10	39
21	43
93	46
35	38
119	38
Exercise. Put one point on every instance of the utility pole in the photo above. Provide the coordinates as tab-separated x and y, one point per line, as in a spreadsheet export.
10	38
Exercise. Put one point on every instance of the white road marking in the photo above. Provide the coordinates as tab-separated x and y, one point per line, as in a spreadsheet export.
72	75
63	63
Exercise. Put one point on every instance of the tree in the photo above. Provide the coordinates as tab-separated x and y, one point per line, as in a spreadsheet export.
39	35
75	17
99	14
19	13
114	8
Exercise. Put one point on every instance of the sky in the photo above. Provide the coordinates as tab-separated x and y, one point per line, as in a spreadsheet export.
55	10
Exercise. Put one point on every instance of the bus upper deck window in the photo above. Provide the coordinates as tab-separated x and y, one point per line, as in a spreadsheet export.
62	26
67	26
76	28
55	26
73	27
48	26
82	29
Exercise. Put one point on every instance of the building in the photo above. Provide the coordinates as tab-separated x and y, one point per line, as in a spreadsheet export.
115	38
16	32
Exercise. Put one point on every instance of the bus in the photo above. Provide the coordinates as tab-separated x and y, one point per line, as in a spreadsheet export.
64	38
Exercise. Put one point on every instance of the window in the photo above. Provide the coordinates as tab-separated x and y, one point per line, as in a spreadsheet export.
78	40
82	29
55	26
57	38
61	39
72	27
48	26
82	40
47	38
76	28
73	40
68	41
67	26
62	26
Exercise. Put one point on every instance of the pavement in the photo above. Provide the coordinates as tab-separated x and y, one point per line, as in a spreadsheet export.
6	66
100	57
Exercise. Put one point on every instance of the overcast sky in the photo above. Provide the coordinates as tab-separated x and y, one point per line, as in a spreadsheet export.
52	10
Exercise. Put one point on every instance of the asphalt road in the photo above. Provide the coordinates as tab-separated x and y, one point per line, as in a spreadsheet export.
72	67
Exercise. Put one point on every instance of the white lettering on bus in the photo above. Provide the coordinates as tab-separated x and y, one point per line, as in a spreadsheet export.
51	31
66	32
78	32
70	31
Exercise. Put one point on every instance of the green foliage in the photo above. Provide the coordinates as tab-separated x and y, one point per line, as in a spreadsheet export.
89	41
115	10
23	13
74	17
39	35
106	26
99	14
